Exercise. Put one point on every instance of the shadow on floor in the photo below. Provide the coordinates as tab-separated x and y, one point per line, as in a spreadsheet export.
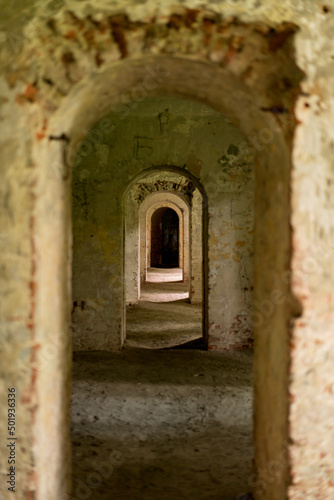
162	425
197	344
165	366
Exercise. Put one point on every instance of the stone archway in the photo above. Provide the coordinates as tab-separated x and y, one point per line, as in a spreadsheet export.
189	199
143	195
174	202
282	158
211	78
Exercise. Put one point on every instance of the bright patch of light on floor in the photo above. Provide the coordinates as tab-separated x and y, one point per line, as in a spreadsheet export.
164	285
157	275
154	296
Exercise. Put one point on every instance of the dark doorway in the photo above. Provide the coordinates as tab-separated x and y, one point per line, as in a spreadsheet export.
165	238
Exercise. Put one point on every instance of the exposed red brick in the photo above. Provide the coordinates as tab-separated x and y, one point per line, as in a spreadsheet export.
277	38
118	33
175	22
208	26
191	17
68	57
98	59
71	35
89	37
30	92
40	135
31	495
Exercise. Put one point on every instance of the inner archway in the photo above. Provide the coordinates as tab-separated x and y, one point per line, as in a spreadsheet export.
223	227
153	293
165	238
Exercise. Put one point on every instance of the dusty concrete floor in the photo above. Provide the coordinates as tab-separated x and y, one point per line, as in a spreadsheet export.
161	424
153	423
163	317
161	325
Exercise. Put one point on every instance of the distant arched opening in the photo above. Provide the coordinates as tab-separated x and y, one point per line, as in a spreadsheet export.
165	238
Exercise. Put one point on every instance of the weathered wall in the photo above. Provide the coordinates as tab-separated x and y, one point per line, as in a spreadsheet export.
36	86
17	305
132	259
164	131
311	392
197	249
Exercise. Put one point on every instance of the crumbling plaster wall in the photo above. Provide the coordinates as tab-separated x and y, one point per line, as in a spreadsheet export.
198	140
309	450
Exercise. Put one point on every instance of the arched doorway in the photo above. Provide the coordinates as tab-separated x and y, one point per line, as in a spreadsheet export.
150	195
232	96
165	238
